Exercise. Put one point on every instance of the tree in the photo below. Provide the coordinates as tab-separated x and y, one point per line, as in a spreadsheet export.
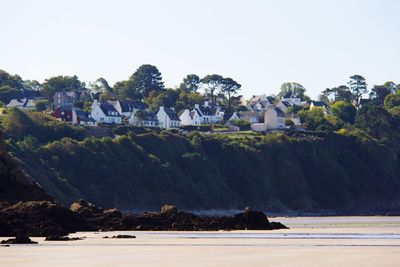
375	121
146	78
168	98
345	111
230	87
358	87
340	93
190	84
292	89
61	83
13	81
379	93
101	85
392	101
7	93
41	105
140	116
212	83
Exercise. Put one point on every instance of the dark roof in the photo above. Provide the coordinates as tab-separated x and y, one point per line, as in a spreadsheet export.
280	112
107	108
287	103
288	95
83	115
129	105
208	110
319	103
227	116
365	101
171	114
150	116
30	94
271	99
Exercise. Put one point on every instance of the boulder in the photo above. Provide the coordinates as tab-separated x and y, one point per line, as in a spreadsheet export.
41	218
20	239
169	209
61	238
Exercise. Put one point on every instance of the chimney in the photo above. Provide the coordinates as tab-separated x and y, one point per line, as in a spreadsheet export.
206	103
161	107
173	109
196	106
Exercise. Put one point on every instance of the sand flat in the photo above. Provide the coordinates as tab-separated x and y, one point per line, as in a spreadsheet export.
311	241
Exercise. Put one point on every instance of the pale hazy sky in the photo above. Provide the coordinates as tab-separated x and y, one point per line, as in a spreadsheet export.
260	44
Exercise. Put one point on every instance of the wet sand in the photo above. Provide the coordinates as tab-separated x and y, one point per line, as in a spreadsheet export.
311	241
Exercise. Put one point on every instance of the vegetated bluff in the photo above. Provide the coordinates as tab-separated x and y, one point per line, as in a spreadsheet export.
312	172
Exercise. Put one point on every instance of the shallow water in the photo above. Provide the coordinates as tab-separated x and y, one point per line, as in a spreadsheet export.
311	241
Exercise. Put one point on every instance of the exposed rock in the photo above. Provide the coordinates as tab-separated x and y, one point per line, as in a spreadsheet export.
44	218
169	209
41	218
19	239
121	236
62	238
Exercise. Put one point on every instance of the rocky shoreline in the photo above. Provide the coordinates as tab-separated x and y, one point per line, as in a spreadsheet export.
47	218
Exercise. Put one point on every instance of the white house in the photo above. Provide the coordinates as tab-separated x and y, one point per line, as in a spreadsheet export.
249	116
291	98
274	119
168	118
259	103
81	117
148	119
320	104
202	114
23	104
105	113
127	107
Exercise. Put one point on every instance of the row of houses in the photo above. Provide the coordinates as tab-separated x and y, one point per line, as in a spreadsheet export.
114	112
264	112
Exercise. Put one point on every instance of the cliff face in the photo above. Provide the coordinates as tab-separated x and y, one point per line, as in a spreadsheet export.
275	173
15	185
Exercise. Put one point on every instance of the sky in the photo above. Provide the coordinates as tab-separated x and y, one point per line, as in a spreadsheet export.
259	43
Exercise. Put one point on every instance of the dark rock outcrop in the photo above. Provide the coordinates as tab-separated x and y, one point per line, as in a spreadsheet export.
41	218
19	239
62	238
121	236
44	218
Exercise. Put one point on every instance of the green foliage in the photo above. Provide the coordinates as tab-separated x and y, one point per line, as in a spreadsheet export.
242	124
292	89
358	87
315	120
41	105
190	84
392	100
147	78
344	111
12	81
18	124
378	123
61	83
7	93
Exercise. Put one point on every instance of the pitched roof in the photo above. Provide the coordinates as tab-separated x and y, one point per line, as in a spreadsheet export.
279	112
30	94
248	115
149	116
83	115
108	108
319	103
172	114
129	105
287	103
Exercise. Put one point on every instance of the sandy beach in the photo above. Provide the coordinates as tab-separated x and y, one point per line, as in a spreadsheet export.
311	241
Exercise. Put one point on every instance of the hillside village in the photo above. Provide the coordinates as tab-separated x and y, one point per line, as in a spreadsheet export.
211	103
263	113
